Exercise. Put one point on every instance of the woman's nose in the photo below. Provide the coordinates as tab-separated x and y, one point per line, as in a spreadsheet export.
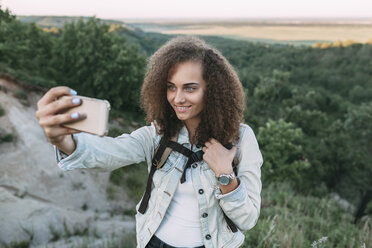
180	97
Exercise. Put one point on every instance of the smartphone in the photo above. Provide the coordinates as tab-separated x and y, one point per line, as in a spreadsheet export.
97	112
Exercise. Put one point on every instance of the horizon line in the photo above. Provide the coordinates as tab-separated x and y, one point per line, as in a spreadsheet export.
340	18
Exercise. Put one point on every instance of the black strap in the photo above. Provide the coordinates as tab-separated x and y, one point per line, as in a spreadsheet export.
154	163
147	195
162	145
179	148
192	158
230	223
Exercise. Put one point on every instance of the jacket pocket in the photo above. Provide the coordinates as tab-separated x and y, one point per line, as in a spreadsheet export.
169	163
162	172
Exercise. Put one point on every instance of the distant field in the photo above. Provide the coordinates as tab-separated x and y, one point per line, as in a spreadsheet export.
305	33
297	32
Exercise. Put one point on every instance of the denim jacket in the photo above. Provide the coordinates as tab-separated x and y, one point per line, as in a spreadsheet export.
242	205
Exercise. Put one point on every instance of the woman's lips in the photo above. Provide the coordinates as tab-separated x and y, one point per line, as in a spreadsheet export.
182	109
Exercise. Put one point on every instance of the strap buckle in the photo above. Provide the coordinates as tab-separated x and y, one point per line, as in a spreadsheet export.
197	156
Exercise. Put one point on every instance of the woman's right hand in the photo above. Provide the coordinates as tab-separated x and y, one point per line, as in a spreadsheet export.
51	120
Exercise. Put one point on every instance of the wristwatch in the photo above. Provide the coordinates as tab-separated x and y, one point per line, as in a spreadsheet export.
225	179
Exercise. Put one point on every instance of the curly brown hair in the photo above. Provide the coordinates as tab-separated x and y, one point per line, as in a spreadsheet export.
223	99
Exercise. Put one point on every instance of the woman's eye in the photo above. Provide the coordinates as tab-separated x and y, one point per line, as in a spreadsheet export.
171	87
190	88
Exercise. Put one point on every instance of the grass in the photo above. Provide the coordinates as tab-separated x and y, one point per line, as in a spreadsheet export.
132	178
8	137
270	31
20	244
78	186
287	219
23	243
22	97
84	207
124	122
111	192
291	220
2	112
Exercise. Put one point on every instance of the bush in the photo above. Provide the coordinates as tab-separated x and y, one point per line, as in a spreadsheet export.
22	96
281	145
2	112
132	178
288	219
6	137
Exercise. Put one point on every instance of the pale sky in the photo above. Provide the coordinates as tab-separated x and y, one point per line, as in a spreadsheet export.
194	8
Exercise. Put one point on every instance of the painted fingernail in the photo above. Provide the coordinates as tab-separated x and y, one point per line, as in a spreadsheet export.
73	92
75	115
76	100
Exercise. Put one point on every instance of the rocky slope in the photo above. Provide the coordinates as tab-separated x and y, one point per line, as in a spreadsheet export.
40	204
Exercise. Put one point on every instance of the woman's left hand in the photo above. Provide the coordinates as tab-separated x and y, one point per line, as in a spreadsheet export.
218	158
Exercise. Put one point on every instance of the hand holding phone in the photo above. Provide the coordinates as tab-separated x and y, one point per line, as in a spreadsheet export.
96	110
61	113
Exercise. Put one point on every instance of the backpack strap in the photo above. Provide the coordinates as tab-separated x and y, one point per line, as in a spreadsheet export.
194	157
161	155
155	161
166	152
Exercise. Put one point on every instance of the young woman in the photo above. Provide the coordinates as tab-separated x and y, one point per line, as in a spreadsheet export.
190	94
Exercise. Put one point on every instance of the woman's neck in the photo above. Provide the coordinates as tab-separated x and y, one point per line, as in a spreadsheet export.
191	128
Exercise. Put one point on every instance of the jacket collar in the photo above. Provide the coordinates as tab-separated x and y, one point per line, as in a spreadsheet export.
183	136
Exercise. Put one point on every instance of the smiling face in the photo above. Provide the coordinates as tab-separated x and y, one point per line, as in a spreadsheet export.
185	92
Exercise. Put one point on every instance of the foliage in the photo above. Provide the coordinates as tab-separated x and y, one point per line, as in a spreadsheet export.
84	55
7	137
98	63
132	178
2	112
25	47
20	244
291	220
359	124
308	106
284	156
6	16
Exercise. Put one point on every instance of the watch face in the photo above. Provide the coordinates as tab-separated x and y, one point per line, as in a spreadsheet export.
224	180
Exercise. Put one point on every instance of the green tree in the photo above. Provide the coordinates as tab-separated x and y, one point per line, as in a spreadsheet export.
6	15
281	145
98	63
25	48
359	124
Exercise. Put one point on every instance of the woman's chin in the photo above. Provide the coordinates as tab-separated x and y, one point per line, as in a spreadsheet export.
182	117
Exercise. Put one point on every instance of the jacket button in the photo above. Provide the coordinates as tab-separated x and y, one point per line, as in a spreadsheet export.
201	191
205	215
194	166
208	237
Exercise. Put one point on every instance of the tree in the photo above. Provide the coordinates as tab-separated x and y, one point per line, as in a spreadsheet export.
6	16
359	124
98	63
282	150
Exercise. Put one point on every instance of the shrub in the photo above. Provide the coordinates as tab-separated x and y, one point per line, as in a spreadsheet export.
6	137
2	112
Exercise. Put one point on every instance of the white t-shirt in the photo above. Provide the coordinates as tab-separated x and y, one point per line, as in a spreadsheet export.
181	224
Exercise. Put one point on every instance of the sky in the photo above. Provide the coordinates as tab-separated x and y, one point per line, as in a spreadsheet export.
193	8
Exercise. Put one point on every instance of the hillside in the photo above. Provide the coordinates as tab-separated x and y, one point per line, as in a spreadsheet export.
147	41
310	108
39	203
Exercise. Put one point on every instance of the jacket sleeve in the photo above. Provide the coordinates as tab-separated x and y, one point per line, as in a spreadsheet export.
243	204
107	153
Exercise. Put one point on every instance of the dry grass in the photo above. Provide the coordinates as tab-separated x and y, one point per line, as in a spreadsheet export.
280	32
